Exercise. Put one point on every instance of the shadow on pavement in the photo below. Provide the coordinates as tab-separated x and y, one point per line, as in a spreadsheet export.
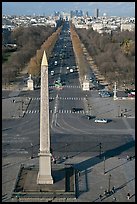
85	165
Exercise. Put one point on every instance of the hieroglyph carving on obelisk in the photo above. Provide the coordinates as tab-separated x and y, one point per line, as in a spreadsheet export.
44	174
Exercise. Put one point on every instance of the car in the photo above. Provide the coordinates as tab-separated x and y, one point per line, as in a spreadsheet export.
71	70
89	117
101	120
74	109
52	73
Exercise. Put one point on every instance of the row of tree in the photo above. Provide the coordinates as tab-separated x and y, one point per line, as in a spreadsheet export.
35	62
79	56
28	40
113	54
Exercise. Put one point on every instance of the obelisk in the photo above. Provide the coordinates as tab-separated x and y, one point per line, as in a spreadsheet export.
44	174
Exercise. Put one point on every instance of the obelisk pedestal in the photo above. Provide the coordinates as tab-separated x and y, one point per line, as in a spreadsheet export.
44	174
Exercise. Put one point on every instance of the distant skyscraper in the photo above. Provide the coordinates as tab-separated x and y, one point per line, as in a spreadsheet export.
97	13
71	14
87	14
77	13
56	13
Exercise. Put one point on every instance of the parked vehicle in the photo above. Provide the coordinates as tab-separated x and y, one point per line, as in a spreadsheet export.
55	62
52	73
71	70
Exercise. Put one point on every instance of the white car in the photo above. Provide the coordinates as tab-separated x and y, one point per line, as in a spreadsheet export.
55	63
71	70
101	121
52	73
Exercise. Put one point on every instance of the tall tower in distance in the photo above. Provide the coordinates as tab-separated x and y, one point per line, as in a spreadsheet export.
97	13
44	174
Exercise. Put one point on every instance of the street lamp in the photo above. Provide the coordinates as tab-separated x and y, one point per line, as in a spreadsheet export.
31	151
90	108
66	151
100	146
22	105
86	97
19	111
118	111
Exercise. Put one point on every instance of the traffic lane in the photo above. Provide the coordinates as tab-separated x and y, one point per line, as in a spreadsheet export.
18	139
21	124
69	104
27	124
5	93
116	124
30	94
111	145
80	122
131	122
34	103
72	91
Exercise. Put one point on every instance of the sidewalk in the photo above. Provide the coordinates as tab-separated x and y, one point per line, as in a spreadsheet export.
14	107
93	182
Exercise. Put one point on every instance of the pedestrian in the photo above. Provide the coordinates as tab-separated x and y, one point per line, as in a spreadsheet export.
128	195
100	196
127	157
113	189
105	192
114	199
130	158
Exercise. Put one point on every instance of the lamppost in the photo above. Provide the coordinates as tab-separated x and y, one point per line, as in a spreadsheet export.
66	151
19	111
22	105
31	151
90	108
100	146
109	182
118	111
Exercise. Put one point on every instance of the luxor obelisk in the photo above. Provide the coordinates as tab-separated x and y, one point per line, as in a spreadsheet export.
44	174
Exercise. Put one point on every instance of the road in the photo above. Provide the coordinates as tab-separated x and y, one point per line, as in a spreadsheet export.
72	134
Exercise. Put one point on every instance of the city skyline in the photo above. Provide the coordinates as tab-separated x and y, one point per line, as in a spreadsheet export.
123	9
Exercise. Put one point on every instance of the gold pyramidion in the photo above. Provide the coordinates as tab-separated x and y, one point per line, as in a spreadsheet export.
44	59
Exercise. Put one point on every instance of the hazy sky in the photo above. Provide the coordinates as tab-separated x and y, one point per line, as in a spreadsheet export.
48	8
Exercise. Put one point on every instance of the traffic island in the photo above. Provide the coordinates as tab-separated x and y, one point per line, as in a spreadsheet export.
26	187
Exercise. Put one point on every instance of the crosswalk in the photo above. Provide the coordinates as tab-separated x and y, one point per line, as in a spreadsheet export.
62	98
58	111
68	86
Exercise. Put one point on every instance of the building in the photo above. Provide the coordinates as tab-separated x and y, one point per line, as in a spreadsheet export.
97	13
128	26
77	13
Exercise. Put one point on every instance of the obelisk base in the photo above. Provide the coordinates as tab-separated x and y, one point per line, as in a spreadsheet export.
44	174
